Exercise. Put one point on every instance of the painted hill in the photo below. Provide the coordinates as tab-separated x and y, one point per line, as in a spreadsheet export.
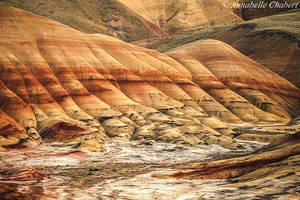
59	84
131	20
106	16
175	16
272	41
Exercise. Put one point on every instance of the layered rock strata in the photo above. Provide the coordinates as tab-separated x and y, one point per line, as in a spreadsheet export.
272	41
238	82
278	160
59	84
131	20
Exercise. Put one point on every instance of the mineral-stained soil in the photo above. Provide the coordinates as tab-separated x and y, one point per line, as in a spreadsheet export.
131	20
87	116
59	84
272	41
129	170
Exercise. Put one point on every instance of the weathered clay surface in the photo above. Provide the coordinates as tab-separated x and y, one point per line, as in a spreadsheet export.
272	41
131	20
129	170
184	14
59	84
238	82
258	164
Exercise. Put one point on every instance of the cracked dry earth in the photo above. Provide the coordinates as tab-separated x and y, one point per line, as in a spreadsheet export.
130	170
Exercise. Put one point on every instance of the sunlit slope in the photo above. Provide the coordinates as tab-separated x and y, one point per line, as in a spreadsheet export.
178	15
106	16
272	41
238	82
59	84
131	20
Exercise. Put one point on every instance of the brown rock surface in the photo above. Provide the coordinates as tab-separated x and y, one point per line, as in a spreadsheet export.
65	85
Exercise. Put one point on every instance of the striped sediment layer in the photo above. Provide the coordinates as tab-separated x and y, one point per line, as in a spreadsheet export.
59	84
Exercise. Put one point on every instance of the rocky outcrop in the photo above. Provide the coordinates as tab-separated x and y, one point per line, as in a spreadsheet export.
59	84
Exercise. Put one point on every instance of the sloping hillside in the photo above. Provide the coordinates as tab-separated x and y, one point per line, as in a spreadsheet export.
175	15
59	84
226	70
271	7
131	20
272	41
106	16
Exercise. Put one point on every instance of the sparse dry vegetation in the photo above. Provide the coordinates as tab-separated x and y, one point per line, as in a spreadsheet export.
100	16
286	25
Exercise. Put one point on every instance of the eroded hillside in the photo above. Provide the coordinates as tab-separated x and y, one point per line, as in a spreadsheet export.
59	84
272	41
131	20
